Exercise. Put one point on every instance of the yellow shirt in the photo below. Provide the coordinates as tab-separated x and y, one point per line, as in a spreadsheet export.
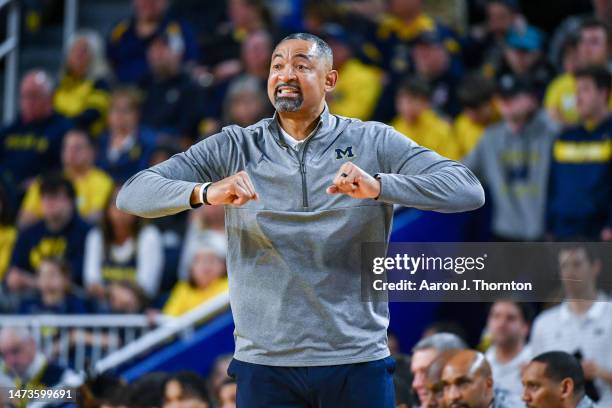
92	191
468	133
561	98
185	297
430	131
357	90
74	96
8	234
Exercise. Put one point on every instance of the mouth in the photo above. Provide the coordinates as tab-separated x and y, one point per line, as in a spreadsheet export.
287	91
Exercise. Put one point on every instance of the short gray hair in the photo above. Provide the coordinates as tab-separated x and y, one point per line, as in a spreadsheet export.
323	50
440	342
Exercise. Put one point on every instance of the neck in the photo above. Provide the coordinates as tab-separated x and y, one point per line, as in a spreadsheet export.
121	234
599	116
409	16
584	303
300	124
52	299
77	172
506	352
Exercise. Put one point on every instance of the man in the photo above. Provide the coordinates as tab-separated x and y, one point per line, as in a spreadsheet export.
417	120
593	48
60	233
433	397
508	326
580	190
581	324
307	175
31	144
424	353
555	380
170	106
130	39
513	158
468	382
23	366
92	185
435	64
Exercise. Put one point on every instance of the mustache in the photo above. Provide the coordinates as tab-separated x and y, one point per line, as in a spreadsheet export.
289	84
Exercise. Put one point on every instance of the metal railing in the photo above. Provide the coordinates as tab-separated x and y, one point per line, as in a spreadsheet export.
9	52
79	341
161	335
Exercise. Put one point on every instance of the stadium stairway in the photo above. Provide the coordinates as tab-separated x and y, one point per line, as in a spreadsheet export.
408	320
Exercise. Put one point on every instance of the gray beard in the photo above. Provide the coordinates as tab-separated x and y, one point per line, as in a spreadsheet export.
288	104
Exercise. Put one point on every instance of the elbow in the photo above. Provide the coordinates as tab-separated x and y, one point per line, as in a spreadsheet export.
473	197
122	201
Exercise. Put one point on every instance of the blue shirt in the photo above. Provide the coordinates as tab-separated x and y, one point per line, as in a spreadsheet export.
37	242
580	188
131	160
127	52
28	149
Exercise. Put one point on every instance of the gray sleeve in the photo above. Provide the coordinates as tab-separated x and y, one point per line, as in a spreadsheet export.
418	177
166	188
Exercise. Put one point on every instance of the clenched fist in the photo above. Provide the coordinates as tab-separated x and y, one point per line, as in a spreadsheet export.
354	182
235	190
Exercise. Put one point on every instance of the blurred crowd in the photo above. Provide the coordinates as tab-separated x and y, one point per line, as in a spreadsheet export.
526	108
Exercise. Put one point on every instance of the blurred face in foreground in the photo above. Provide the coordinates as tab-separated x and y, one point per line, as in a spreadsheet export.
466	385
421	359
539	391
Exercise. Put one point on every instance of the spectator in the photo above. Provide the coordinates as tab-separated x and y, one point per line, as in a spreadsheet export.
593	48
426	351
580	190
486	43
559	103
568	27
468	382
513	160
227	394
435	64
27	367
475	95
92	186
580	324
60	234
8	232
508	326
555	380
82	93
54	291
357	92
523	57
172	103
218	375
205	225
434	388
185	389
125	148
130	39
147	391
122	248
222	50
419	122
31	144
126	297
103	391
245	103
207	279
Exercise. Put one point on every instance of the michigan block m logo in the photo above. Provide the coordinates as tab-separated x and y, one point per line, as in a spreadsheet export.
347	152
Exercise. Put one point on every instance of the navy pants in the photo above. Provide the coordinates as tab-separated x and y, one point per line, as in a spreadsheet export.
359	385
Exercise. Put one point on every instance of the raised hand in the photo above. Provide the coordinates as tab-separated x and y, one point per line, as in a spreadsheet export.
354	182
234	190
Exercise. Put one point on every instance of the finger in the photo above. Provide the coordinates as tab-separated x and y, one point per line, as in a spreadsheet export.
249	184
240	190
332	189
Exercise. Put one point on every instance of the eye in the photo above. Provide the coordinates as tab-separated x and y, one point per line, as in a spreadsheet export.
302	67
276	66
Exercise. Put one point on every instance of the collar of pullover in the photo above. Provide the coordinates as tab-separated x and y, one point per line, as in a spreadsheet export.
323	127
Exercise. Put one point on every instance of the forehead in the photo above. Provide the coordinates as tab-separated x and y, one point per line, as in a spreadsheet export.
505	307
294	48
535	371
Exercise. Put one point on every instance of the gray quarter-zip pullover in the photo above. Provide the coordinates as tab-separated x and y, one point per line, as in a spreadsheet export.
294	254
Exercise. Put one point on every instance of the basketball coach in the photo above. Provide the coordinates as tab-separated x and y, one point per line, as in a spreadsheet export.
302	191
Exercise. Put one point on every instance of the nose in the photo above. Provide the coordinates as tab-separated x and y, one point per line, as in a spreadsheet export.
287	74
454	393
